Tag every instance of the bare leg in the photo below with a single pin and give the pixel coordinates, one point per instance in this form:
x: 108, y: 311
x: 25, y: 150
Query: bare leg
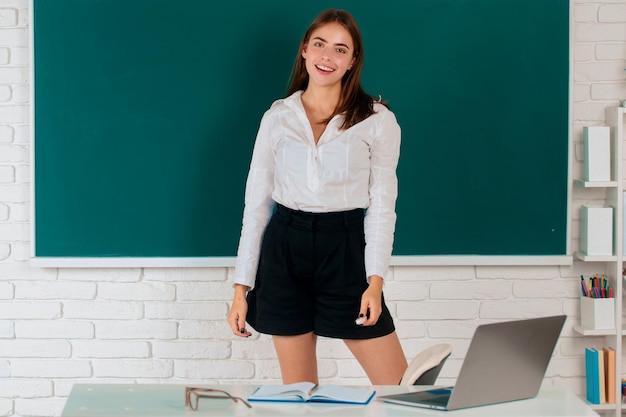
x: 297, y: 357
x: 382, y: 358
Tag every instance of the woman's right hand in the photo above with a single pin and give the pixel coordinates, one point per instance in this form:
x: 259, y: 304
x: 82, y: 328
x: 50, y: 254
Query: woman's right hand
x: 238, y: 311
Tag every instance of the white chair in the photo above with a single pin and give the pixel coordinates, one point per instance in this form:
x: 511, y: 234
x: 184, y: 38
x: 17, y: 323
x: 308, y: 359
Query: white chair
x: 425, y: 367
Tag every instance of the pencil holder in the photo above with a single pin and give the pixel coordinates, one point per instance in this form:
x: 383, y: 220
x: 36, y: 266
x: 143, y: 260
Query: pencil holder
x: 597, y: 313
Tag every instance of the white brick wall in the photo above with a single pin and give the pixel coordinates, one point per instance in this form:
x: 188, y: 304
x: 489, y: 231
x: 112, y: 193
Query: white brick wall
x: 59, y: 327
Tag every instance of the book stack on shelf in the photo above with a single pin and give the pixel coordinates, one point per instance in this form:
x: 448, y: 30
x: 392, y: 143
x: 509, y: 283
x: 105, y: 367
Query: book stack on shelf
x: 600, y: 375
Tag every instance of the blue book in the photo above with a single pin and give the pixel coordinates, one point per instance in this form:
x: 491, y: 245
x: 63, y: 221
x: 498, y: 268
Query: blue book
x: 592, y: 376
x: 309, y: 392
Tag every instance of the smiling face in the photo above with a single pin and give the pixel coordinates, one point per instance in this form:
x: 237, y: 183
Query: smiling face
x: 328, y: 54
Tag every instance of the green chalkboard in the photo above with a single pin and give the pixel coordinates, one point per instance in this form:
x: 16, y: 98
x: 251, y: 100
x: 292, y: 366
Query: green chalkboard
x: 145, y: 113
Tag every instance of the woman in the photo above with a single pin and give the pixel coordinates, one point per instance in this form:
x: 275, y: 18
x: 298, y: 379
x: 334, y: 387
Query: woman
x: 319, y: 213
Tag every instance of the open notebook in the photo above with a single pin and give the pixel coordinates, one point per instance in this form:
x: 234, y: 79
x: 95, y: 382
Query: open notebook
x: 506, y: 361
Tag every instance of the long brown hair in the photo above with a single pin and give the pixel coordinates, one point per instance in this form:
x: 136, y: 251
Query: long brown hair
x: 354, y: 102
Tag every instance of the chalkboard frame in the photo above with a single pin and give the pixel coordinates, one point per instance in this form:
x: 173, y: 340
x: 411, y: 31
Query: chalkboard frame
x: 562, y: 258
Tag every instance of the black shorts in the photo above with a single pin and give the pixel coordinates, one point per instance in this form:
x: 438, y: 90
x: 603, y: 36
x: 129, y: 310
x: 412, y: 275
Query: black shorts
x: 311, y: 277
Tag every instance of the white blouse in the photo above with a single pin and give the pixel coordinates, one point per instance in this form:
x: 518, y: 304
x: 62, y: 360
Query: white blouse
x: 347, y: 169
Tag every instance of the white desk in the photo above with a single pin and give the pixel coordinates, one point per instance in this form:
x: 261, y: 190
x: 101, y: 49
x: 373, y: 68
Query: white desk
x: 115, y: 400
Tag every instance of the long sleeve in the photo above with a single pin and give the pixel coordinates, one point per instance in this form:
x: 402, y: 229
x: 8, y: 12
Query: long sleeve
x: 380, y: 219
x: 258, y: 206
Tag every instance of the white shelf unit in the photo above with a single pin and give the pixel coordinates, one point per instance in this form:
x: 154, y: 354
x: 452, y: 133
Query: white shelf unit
x: 612, y: 265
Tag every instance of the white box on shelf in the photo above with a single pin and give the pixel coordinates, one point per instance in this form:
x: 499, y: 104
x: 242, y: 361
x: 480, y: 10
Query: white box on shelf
x: 597, y: 313
x: 597, y: 144
x: 596, y: 230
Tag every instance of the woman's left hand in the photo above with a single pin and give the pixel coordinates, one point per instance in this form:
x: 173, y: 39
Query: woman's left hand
x: 371, y: 301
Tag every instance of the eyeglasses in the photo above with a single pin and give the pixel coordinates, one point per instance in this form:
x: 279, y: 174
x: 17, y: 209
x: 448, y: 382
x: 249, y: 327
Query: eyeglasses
x: 193, y: 395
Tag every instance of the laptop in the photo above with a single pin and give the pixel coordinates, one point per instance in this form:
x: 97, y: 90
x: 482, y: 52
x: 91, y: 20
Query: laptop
x: 506, y: 361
